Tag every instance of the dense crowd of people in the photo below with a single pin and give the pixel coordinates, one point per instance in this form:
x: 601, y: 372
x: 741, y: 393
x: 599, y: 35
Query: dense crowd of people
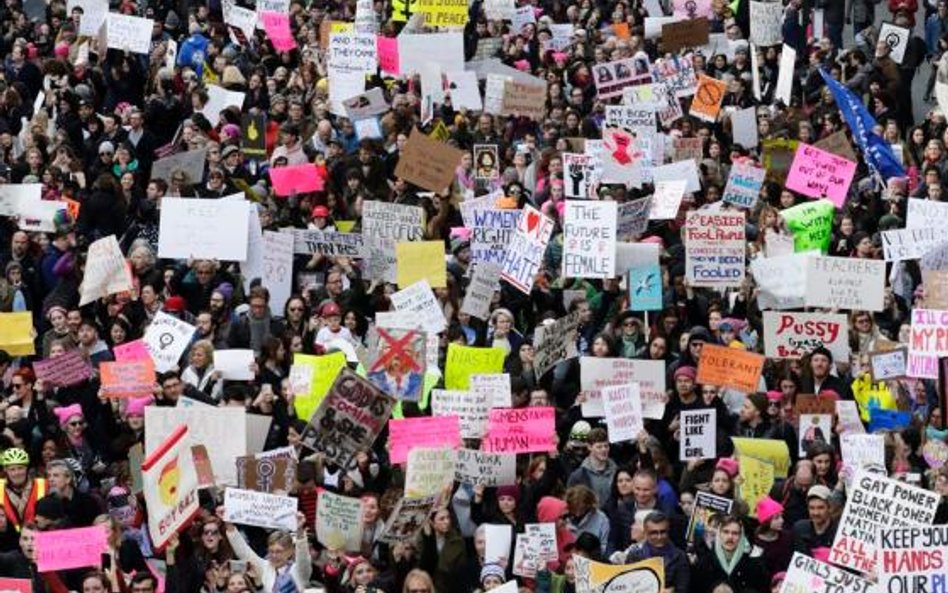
x: 89, y: 127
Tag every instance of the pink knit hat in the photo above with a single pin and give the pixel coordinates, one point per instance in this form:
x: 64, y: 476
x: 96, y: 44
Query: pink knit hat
x: 136, y: 406
x: 728, y: 466
x: 64, y: 413
x: 767, y: 509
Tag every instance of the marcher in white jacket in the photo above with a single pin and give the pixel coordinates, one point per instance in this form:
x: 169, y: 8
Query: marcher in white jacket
x: 279, y: 567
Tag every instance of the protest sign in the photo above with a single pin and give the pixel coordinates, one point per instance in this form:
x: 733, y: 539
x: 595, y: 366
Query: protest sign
x: 295, y: 179
x: 428, y: 163
x: 92, y: 16
x: 423, y: 431
x: 222, y: 430
x: 490, y: 469
x: 220, y: 99
x: 418, y: 300
x: 464, y: 361
x: 808, y: 403
x: 277, y: 266
x: 647, y: 576
x: 134, y: 378
x: 524, y: 255
x: 520, y: 430
x: 785, y: 76
x: 781, y: 281
x: 638, y: 118
x: 925, y: 213
x: 497, y: 540
x: 633, y: 219
x: 407, y: 519
x: 398, y: 363
x: 683, y: 34
x: 698, y: 434
x: 777, y: 155
x: 889, y: 364
x: 348, y: 419
x: 106, y: 271
x: 596, y: 373
x: 555, y: 343
x: 485, y: 281
x: 399, y: 222
x: 69, y: 368
x: 811, y: 224
x: 876, y: 503
x: 809, y: 574
x: 912, y: 558
x: 314, y: 376
x: 128, y: 33
x: 688, y: 148
x: 8, y: 585
x: 339, y: 521
x: 134, y: 350
x: 271, y: 511
x: 911, y: 243
x: 271, y: 474
x: 838, y: 144
x: 845, y: 283
x: 429, y: 471
x: 645, y: 287
x: 491, y: 229
x: 729, y: 367
x: 578, y: 169
x: 849, y: 421
x: 772, y: 451
x: 757, y: 478
x: 63, y: 549
x: 470, y: 408
x: 935, y: 454
x: 882, y: 419
x: 792, y: 334
x: 706, y: 104
x: 211, y: 229
x: 277, y: 26
x: 610, y: 78
x: 623, y: 407
x: 419, y: 260
x: 16, y: 333
x: 443, y: 13
x: 351, y: 52
x: 766, y: 19
x: 706, y: 505
x: 715, y: 245
x: 234, y: 364
x: 897, y: 38
x: 817, y: 173
x: 14, y: 196
x: 743, y: 185
x: 686, y: 169
x: 166, y: 339
x: 169, y: 483
x: 667, y: 199
x: 189, y: 163
x: 524, y: 99
x: 860, y: 451
x: 744, y: 128
x: 814, y: 428
x: 928, y: 341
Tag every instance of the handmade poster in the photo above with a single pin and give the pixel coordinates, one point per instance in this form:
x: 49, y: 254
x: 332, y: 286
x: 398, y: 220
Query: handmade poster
x: 524, y: 255
x: 596, y: 373
x: 106, y: 271
x: 277, y: 264
x: 486, y: 162
x: 773, y: 451
x: 190, y: 163
x: 692, y: 32
x: 911, y: 243
x: 428, y: 163
x: 170, y: 485
x: 235, y: 364
x: 838, y: 144
x: 266, y: 473
x: 645, y: 287
x: 491, y: 231
x: 419, y: 260
x: 222, y: 430
x: 490, y: 469
x: 398, y: 367
x: 212, y: 229
x: 706, y: 104
x: 623, y: 406
x: 897, y: 38
x: 64, y: 549
x: 757, y: 478
x: 494, y: 388
x: 667, y: 199
x: 407, y: 519
x: 469, y: 407
x: 706, y: 505
x: 524, y: 99
x: 313, y: 379
x: 861, y: 451
x: 647, y: 576
x: 877, y: 503
x: 339, y: 521
x: 399, y: 222
x: 259, y: 509
x: 348, y: 419
x: 927, y: 342
x: 520, y: 430
x: 807, y: 574
x: 845, y: 283
x: 743, y: 185
x: 555, y: 343
x: 811, y: 224
x: 16, y: 333
x: 135, y: 378
x: 785, y: 76
x: 485, y: 281
x: 766, y: 19
x: 698, y: 434
x: 328, y: 243
x: 8, y: 585
x: 849, y: 421
x: 67, y: 369
x: 422, y: 431
x: 166, y: 338
x: 429, y: 470
x: 793, y: 335
x: 781, y: 281
x: 814, y: 428
x: 577, y: 169
x: 128, y: 33
x: 610, y: 78
x: 890, y: 364
x: 715, y: 248
x: 817, y: 173
x: 729, y: 367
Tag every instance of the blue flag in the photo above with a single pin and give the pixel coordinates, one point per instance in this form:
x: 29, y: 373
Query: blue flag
x: 878, y: 153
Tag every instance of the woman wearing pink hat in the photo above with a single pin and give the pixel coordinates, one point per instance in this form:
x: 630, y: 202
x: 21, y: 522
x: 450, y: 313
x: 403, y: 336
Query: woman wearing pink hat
x: 771, y: 535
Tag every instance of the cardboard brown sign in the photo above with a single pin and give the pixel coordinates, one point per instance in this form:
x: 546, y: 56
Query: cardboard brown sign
x: 270, y: 474
x: 686, y: 33
x: 814, y: 404
x: 838, y: 144
x: 428, y: 163
x: 523, y: 99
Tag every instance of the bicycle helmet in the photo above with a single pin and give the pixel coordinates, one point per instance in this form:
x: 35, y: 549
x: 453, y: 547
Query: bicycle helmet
x: 14, y: 456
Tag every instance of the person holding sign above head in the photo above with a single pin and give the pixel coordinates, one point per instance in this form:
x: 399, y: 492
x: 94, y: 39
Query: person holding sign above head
x: 287, y: 566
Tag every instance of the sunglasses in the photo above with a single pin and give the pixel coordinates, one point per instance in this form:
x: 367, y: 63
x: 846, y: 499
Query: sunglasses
x: 77, y: 423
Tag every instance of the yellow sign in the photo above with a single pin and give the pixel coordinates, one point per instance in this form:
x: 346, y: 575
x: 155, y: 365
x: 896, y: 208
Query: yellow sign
x: 345, y: 226
x: 16, y: 333
x: 647, y: 576
x: 444, y: 13
x: 772, y: 451
x: 324, y: 368
x: 872, y: 395
x: 421, y: 259
x: 757, y: 478
x: 464, y: 361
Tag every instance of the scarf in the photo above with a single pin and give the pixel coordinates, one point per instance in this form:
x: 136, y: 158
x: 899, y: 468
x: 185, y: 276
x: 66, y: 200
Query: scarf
x: 259, y: 329
x: 284, y: 580
x: 729, y: 565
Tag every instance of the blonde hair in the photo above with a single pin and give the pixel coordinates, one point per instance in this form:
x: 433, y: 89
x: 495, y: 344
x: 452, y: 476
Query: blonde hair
x: 417, y: 574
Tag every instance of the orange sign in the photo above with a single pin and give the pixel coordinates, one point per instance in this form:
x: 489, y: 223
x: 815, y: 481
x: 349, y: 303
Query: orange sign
x: 132, y: 378
x: 706, y: 104
x: 730, y: 367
